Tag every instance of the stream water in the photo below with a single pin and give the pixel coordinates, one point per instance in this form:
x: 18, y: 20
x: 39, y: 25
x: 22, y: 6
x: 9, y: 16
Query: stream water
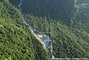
x: 45, y: 39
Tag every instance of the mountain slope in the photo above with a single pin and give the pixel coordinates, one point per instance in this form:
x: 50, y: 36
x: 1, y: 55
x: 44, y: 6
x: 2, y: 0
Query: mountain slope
x: 16, y: 40
x: 56, y: 9
x: 69, y: 35
x: 80, y: 17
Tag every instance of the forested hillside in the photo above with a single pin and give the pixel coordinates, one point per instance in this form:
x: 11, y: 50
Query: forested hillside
x: 44, y: 8
x: 69, y: 25
x: 67, y: 20
x: 80, y: 17
x: 16, y: 40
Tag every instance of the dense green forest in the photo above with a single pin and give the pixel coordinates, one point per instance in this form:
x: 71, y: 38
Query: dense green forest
x: 45, y: 8
x: 70, y: 32
x: 16, y: 39
x: 68, y: 26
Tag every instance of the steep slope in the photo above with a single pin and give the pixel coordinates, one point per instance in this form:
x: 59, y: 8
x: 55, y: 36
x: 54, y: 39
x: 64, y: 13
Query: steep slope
x: 56, y: 9
x: 16, y: 40
x: 80, y: 17
x: 69, y: 35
